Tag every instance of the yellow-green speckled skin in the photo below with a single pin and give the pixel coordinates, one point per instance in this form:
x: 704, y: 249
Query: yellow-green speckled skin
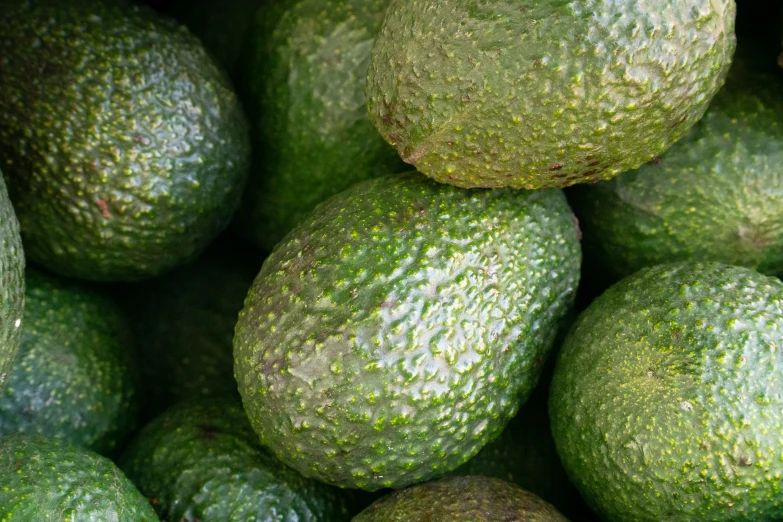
x: 201, y: 461
x: 12, y: 264
x: 124, y: 147
x: 717, y: 195
x: 541, y: 94
x: 302, y: 80
x: 74, y: 376
x: 665, y: 403
x: 461, y: 499
x: 44, y: 479
x: 395, y: 331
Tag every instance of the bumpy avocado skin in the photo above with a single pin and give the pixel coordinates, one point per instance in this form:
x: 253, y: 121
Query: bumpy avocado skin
x: 396, y: 331
x: 51, y: 479
x: 461, y: 499
x: 74, y: 376
x: 665, y: 398
x: 200, y: 460
x: 717, y: 195
x: 302, y: 81
x: 125, y: 149
x: 12, y: 264
x: 183, y: 325
x: 496, y: 94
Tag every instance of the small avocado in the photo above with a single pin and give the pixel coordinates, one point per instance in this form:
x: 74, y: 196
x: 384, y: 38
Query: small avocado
x: 201, y: 461
x: 665, y: 402
x: 12, y: 265
x: 302, y: 82
x: 544, y: 94
x: 396, y: 330
x: 716, y: 195
x: 52, y: 479
x: 461, y: 499
x: 124, y: 147
x: 74, y: 376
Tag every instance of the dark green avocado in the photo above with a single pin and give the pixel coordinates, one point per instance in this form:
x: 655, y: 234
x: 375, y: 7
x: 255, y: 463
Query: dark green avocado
x: 51, y: 479
x: 12, y: 264
x: 201, y: 461
x: 74, y: 376
x: 544, y: 94
x: 302, y: 80
x: 665, y: 402
x: 461, y: 499
x: 717, y: 195
x: 123, y: 145
x: 396, y: 330
x: 183, y: 325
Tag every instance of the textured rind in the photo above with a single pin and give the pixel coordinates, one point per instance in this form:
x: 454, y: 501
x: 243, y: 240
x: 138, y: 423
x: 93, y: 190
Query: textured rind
x: 74, y: 376
x: 395, y: 332
x: 303, y: 82
x: 461, y: 499
x: 51, y: 479
x: 12, y: 264
x: 665, y: 403
x: 200, y: 460
x: 717, y: 195
x: 492, y: 94
x: 183, y: 325
x: 124, y: 147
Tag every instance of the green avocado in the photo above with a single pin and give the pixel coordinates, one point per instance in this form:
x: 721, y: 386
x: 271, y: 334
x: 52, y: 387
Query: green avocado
x: 302, y: 80
x: 12, y: 264
x: 183, y: 325
x: 543, y: 94
x: 124, y: 147
x: 396, y: 330
x: 717, y: 195
x: 75, y: 376
x: 461, y: 499
x: 51, y: 479
x: 665, y: 402
x: 201, y: 461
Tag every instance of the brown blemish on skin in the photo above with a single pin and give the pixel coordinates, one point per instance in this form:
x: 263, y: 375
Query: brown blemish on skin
x: 104, y: 208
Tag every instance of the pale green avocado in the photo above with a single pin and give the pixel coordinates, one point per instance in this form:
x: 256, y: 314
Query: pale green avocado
x: 543, y: 94
x: 398, y: 328
x: 665, y: 402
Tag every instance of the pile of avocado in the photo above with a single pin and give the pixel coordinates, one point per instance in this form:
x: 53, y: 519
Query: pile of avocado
x: 391, y: 261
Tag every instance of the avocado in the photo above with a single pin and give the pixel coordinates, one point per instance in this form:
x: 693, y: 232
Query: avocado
x: 75, y: 376
x: 545, y: 94
x: 665, y: 402
x: 183, y: 325
x: 717, y: 195
x: 461, y: 499
x: 51, y: 479
x: 302, y: 80
x: 200, y: 460
x: 12, y: 265
x: 396, y: 330
x: 222, y: 30
x: 124, y: 147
